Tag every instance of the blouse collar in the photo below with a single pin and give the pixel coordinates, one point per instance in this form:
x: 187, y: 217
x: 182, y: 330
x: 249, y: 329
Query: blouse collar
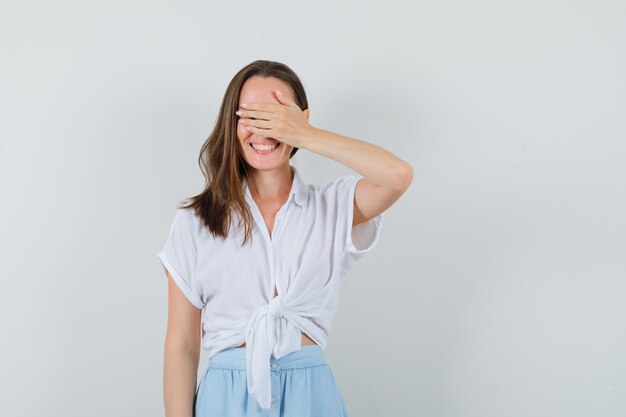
x: 297, y: 192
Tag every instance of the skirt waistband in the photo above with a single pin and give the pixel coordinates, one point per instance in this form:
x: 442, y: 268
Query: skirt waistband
x: 235, y: 358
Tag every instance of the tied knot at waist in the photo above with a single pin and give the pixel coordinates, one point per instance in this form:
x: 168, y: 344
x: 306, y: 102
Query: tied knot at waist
x: 273, y: 330
x: 275, y: 307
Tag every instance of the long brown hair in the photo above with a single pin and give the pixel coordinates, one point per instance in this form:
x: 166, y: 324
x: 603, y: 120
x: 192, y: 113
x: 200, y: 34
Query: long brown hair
x: 221, y: 159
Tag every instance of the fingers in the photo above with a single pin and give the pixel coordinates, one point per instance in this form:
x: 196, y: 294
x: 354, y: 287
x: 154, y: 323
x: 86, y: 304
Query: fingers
x: 251, y: 113
x: 268, y: 107
x: 259, y: 132
x: 265, y: 124
x: 283, y: 98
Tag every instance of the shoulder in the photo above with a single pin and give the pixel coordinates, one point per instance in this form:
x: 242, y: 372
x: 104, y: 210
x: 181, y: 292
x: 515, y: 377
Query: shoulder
x: 336, y: 195
x: 339, y: 186
x: 185, y: 215
x: 336, y: 183
x: 187, y: 221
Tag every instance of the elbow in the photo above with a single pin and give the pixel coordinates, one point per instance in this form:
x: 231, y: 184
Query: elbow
x: 404, y: 176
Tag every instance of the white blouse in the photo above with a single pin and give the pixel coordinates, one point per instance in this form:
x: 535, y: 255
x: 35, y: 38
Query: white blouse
x: 311, y: 247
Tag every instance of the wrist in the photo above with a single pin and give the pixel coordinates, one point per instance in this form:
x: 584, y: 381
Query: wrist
x: 310, y: 136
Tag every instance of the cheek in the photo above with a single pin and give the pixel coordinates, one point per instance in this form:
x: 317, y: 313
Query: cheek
x: 242, y: 132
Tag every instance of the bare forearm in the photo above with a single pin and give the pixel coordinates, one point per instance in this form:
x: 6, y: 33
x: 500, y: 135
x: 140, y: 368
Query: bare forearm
x: 180, y: 369
x: 376, y: 164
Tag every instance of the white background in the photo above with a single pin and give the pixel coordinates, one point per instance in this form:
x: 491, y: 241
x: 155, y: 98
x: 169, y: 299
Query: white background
x: 497, y: 288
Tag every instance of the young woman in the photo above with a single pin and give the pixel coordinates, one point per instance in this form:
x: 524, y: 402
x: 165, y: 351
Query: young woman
x: 254, y: 262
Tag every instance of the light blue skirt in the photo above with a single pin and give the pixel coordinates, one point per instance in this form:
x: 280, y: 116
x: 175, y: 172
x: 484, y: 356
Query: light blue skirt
x: 303, y: 385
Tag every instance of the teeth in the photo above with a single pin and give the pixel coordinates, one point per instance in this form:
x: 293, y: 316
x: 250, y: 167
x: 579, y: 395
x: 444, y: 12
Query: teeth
x: 263, y: 147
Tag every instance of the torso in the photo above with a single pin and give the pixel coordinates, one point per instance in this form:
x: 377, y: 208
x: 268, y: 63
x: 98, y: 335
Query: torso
x: 306, y: 340
x: 269, y: 213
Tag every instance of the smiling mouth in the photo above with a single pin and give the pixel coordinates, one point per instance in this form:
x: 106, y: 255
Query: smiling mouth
x: 264, y: 148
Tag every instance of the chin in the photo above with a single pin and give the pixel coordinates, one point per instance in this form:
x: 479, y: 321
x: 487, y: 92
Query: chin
x: 277, y: 158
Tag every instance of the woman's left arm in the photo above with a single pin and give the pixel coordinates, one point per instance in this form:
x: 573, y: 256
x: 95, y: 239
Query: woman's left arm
x: 385, y: 176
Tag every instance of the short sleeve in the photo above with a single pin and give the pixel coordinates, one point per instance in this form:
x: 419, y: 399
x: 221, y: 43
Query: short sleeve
x: 180, y: 253
x: 362, y: 238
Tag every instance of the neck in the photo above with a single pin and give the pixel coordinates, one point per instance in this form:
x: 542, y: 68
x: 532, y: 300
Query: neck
x: 270, y: 185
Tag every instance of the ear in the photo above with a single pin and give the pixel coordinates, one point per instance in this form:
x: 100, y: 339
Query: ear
x: 306, y: 113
